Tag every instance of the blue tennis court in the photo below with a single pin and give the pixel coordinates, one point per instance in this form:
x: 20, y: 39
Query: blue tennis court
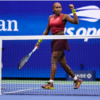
x: 30, y: 87
x: 29, y: 90
x: 39, y: 97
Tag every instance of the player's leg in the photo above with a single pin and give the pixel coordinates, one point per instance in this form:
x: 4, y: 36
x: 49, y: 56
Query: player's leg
x: 68, y: 70
x: 55, y: 56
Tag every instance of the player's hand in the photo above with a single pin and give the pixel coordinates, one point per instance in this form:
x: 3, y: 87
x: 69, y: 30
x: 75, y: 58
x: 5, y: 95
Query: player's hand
x: 37, y: 45
x: 71, y: 6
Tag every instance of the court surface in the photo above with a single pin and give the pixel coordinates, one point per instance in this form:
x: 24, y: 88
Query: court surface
x: 61, y: 88
x: 39, y: 97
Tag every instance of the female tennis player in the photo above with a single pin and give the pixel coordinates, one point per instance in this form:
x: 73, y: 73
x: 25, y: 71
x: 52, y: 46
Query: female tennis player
x: 57, y: 23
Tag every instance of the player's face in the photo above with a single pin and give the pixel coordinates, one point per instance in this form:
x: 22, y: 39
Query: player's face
x: 57, y: 9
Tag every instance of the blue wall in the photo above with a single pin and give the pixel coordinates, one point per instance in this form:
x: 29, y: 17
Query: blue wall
x: 32, y: 16
x: 32, y: 19
x: 39, y: 64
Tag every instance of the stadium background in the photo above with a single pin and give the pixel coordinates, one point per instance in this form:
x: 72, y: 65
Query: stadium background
x: 32, y: 19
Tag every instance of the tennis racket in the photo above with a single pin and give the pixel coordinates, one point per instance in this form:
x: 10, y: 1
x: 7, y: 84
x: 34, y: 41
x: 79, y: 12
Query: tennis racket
x: 25, y: 59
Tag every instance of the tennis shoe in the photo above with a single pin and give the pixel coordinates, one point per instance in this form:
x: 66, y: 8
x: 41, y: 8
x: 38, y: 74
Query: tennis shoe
x: 77, y: 83
x: 48, y: 85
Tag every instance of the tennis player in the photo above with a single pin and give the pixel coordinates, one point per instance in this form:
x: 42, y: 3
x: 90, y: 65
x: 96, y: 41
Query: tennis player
x: 56, y: 23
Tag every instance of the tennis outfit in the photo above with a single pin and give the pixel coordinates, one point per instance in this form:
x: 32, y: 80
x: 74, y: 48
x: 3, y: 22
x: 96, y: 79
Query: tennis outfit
x: 56, y: 24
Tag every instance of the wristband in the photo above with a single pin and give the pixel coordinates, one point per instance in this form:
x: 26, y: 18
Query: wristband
x: 73, y: 11
x: 40, y: 40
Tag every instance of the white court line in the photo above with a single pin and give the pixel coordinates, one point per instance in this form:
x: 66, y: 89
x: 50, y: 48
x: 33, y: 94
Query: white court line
x: 21, y: 90
x: 54, y: 89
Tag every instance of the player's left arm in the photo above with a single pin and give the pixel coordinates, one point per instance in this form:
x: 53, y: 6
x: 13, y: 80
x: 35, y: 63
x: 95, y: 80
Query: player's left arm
x: 68, y: 18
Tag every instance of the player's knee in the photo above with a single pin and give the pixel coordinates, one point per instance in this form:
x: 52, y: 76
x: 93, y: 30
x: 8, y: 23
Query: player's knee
x: 63, y: 64
x: 53, y: 60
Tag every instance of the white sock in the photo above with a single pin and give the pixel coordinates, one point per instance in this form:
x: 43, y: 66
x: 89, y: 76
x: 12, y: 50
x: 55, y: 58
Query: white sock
x: 75, y: 78
x: 51, y: 81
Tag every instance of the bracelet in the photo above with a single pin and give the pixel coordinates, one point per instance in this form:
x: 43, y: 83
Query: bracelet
x: 73, y: 11
x: 40, y: 40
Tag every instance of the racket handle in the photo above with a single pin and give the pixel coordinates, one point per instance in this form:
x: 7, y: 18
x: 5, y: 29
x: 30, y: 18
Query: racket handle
x: 34, y: 49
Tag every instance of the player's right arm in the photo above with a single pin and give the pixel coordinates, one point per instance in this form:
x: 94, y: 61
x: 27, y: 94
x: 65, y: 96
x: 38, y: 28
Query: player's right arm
x: 46, y: 32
